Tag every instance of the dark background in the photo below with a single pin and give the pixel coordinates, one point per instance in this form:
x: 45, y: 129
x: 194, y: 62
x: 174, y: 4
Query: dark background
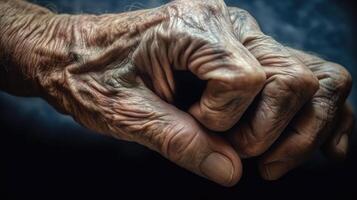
x: 47, y: 155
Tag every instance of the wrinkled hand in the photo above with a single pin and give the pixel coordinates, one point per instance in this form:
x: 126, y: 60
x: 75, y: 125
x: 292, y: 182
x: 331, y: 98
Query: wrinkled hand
x: 289, y: 106
x: 122, y: 82
x: 117, y: 74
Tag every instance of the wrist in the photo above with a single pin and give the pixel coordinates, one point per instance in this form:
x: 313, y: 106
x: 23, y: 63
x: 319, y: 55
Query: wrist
x: 34, y: 42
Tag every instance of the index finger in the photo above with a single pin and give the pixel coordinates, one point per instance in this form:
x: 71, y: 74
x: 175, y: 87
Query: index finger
x: 234, y: 79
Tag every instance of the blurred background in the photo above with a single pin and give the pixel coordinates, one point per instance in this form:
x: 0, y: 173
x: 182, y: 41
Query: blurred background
x: 47, y: 155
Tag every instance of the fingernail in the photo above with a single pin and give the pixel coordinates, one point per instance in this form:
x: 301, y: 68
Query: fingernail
x: 218, y: 168
x: 342, y: 144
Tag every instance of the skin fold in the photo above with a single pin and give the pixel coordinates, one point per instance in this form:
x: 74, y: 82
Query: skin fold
x: 117, y: 75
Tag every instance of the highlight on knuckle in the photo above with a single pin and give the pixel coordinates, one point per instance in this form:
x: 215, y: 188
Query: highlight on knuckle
x: 336, y: 81
x: 342, y: 79
x: 239, y: 15
x: 252, y: 77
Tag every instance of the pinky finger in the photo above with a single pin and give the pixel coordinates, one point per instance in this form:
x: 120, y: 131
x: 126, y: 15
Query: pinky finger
x: 336, y: 146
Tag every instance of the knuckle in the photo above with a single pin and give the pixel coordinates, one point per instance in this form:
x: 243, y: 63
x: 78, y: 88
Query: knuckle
x: 336, y: 83
x: 251, y: 76
x: 233, y: 10
x: 243, y: 22
x: 341, y: 78
x: 326, y: 111
x: 303, y: 82
x: 239, y: 13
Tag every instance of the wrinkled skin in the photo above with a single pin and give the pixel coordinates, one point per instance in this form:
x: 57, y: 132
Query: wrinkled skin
x: 287, y: 94
x: 115, y: 74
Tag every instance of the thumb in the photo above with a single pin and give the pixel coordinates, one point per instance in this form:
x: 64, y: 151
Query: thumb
x: 178, y: 137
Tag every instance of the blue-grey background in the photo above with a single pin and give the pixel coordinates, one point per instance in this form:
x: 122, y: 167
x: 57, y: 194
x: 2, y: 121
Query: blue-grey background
x: 48, y: 155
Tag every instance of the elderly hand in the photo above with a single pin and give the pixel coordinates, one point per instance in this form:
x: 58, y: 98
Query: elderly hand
x: 116, y: 74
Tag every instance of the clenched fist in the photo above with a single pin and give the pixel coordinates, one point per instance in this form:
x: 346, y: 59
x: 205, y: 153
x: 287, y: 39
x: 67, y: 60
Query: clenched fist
x: 119, y: 74
x: 303, y: 100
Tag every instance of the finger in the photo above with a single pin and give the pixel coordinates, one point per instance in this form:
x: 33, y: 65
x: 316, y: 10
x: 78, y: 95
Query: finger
x: 234, y: 77
x: 174, y: 134
x: 312, y: 125
x: 336, y: 146
x: 233, y: 82
x: 289, y: 85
